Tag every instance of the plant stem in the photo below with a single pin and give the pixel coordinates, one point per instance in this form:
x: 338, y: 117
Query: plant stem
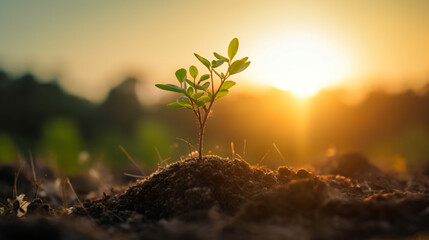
x: 200, y: 151
x: 203, y: 122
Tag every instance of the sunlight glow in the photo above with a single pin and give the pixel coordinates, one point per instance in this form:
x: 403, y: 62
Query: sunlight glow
x: 302, y: 64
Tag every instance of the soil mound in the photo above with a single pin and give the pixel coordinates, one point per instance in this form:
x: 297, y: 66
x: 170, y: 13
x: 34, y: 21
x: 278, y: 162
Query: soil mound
x: 188, y: 189
x: 217, y: 198
x: 352, y: 165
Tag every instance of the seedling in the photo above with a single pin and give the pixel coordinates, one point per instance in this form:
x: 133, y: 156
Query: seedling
x: 200, y: 94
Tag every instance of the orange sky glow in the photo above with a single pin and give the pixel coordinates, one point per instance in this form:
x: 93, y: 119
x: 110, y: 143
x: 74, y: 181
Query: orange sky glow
x: 300, y: 46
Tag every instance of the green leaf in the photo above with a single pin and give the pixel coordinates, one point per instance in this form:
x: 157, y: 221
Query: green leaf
x: 170, y: 87
x: 184, y: 100
x: 245, y: 65
x: 232, y: 48
x: 236, y: 66
x: 221, y: 93
x: 193, y: 71
x: 195, y: 86
x: 218, y: 56
x: 174, y: 105
x: 227, y: 85
x: 197, y: 95
x: 205, y: 99
x: 220, y: 76
x: 204, y: 77
x: 206, y: 85
x: 201, y: 103
x: 217, y: 63
x: 203, y: 60
x: 190, y: 91
x: 181, y: 75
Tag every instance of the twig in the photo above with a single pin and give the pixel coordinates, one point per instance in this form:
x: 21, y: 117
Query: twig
x: 131, y: 159
x: 277, y: 149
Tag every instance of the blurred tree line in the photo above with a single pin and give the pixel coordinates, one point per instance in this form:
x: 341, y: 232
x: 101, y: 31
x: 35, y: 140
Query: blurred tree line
x: 65, y: 129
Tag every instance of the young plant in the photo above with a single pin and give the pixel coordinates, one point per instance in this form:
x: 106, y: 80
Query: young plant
x: 200, y: 94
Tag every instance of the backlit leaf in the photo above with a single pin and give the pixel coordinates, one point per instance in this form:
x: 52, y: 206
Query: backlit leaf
x: 237, y: 65
x: 220, y: 76
x: 217, y: 63
x: 204, y: 77
x: 181, y: 75
x: 221, y: 93
x: 174, y: 105
x: 197, y: 95
x: 232, y: 48
x: 193, y: 71
x: 205, y: 99
x: 183, y: 100
x: 204, y: 61
x: 190, y: 91
x: 206, y: 85
x: 170, y: 87
x: 227, y: 85
x: 218, y: 56
x: 245, y: 65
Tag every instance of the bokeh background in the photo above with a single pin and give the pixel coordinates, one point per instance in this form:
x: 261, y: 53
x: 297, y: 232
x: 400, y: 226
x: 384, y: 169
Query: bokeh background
x: 77, y: 80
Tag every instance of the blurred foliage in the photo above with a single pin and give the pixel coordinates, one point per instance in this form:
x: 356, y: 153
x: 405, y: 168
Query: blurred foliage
x: 61, y: 142
x: 8, y: 150
x: 152, y: 136
x: 57, y: 126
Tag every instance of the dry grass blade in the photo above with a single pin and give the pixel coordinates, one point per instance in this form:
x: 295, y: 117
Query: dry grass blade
x: 131, y: 159
x: 74, y: 193
x: 263, y: 157
x: 161, y: 160
x: 158, y: 154
x: 189, y: 145
x: 64, y: 193
x: 15, y: 181
x: 134, y: 175
x: 244, y: 147
x: 33, y: 170
x: 281, y: 155
x: 232, y: 150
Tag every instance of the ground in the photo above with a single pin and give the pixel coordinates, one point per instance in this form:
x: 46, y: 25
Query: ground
x: 216, y: 198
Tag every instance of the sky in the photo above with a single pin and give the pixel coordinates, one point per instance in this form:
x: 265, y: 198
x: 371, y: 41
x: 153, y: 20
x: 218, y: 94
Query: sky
x: 302, y: 46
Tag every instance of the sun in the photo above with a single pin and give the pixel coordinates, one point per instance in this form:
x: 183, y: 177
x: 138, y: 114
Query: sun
x: 301, y: 63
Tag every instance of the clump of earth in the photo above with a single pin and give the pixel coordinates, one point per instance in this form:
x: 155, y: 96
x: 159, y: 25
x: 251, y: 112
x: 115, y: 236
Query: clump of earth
x: 217, y: 198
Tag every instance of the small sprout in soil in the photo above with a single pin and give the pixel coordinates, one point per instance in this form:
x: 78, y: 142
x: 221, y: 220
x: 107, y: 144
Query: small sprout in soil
x: 199, y: 94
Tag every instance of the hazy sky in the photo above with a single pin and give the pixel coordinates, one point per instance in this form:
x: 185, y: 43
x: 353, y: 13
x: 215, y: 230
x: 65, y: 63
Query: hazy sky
x: 90, y: 45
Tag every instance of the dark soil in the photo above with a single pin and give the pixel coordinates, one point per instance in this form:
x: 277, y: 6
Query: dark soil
x: 217, y: 198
